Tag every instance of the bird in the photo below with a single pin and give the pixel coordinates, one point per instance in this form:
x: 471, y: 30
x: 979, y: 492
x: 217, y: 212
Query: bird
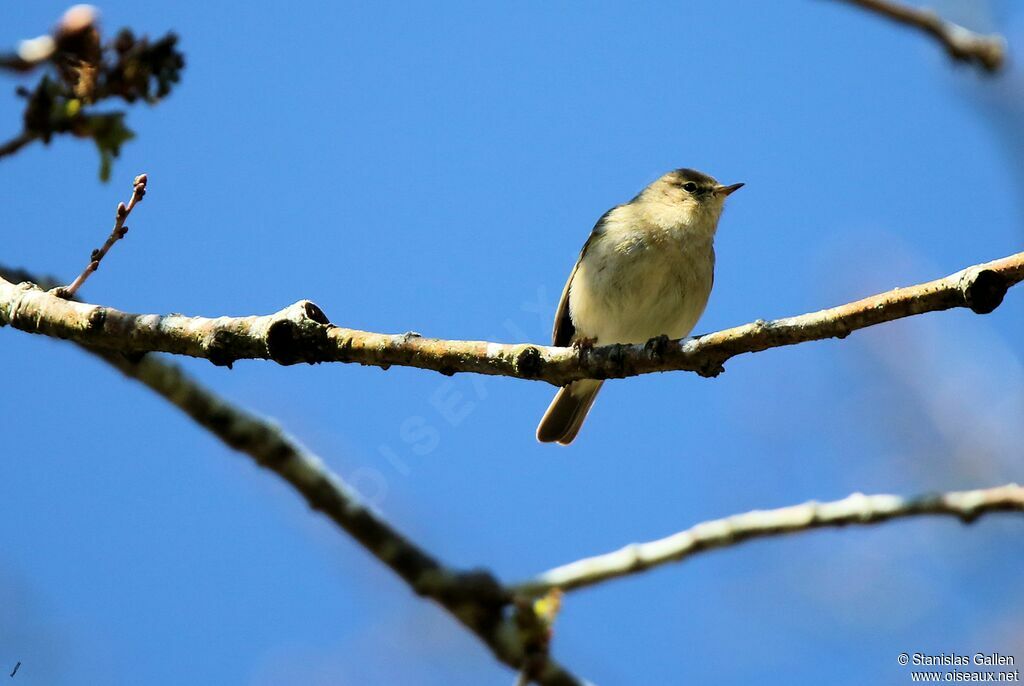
x: 645, y: 271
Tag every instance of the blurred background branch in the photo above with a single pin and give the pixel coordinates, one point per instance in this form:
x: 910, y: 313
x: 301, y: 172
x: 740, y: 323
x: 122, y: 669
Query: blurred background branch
x: 986, y: 52
x: 80, y: 70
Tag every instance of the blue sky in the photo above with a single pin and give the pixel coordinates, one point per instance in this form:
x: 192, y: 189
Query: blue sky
x: 436, y: 169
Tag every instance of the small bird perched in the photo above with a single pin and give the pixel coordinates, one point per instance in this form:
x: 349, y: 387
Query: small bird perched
x: 645, y: 271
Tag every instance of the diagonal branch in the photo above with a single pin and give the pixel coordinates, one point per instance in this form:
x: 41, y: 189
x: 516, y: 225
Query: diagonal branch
x: 474, y: 598
x: 302, y: 333
x: 961, y: 44
x: 857, y: 509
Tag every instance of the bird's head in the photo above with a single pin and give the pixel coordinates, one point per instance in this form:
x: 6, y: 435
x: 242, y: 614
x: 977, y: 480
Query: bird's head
x: 685, y: 197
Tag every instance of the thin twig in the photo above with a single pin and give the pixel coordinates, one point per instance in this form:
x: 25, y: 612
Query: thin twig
x: 17, y: 143
x: 14, y: 62
x: 302, y: 333
x: 961, y: 44
x: 118, y: 232
x: 857, y: 509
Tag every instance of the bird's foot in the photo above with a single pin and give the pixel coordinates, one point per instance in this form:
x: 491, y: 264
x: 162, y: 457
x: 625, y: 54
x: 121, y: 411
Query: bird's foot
x: 657, y: 345
x: 584, y: 343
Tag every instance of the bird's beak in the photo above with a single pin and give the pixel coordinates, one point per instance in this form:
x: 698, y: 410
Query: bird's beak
x: 728, y: 190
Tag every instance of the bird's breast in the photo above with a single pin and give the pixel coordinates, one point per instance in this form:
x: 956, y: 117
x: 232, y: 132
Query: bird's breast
x: 633, y: 286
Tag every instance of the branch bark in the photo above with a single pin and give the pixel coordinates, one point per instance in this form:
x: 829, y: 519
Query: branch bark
x: 987, y: 52
x: 302, y: 333
x: 116, y: 234
x: 857, y: 509
x: 475, y: 598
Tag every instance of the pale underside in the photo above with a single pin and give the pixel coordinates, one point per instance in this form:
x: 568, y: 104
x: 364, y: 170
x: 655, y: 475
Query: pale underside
x: 632, y: 286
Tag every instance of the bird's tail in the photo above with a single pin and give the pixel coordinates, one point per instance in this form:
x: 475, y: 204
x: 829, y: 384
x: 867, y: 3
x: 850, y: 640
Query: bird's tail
x: 567, y: 411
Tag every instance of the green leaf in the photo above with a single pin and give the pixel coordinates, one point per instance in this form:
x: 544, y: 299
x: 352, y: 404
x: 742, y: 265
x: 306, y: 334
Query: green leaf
x: 109, y: 132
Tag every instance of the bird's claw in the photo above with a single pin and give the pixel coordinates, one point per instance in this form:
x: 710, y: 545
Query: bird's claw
x: 584, y: 343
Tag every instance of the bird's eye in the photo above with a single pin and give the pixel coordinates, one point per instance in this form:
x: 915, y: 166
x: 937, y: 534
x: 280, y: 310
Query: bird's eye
x: 690, y: 187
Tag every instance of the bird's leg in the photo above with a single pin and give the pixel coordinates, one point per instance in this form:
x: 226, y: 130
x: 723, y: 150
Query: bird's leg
x: 657, y: 345
x: 584, y: 343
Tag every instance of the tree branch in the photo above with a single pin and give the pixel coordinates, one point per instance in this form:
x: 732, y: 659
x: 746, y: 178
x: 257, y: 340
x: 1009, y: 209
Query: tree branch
x: 961, y: 44
x: 857, y: 509
x: 475, y: 598
x: 17, y: 143
x: 302, y: 333
x: 116, y: 234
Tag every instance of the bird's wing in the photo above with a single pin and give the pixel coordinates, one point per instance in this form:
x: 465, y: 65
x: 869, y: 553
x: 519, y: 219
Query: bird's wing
x: 564, y: 330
